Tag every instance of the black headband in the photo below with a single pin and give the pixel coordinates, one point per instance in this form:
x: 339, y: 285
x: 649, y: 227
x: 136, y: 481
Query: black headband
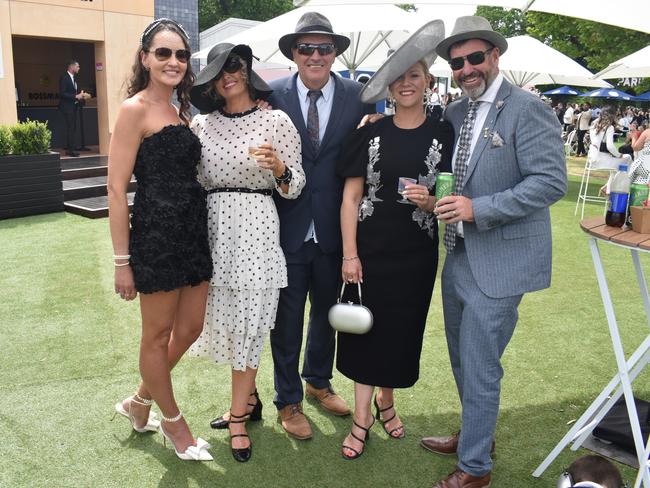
x: 156, y: 23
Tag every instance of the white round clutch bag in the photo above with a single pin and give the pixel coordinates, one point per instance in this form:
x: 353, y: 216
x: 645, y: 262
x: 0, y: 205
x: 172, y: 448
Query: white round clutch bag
x: 350, y: 318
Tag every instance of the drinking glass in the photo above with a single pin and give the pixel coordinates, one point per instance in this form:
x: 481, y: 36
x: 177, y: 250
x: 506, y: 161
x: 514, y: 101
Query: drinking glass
x: 254, y: 144
x: 402, y: 183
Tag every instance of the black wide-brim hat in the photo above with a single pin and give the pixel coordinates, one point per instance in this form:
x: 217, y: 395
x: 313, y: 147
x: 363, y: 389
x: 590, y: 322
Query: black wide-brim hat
x: 312, y: 23
x: 471, y: 27
x: 420, y: 46
x: 216, y: 59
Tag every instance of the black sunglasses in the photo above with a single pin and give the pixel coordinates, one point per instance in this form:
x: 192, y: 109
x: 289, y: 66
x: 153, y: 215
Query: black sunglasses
x: 474, y: 58
x: 308, y: 49
x: 164, y: 53
x: 232, y: 65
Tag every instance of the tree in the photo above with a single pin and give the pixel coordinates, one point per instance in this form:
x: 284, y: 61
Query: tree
x: 507, y: 22
x: 211, y: 12
x: 409, y: 7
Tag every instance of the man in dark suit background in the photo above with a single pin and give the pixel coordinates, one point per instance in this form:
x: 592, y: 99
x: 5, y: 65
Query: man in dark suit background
x: 325, y: 108
x: 69, y: 98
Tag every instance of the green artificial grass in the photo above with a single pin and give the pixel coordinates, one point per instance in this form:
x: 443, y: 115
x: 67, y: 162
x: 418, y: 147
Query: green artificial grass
x: 69, y: 352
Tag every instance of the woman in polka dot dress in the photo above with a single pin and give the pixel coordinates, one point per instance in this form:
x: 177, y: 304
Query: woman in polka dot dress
x: 243, y: 224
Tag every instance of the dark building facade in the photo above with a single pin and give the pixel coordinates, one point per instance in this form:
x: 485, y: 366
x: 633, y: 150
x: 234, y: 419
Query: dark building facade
x: 186, y: 13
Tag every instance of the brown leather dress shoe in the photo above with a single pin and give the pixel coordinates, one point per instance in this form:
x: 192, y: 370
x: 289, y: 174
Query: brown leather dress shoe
x: 446, y: 446
x: 294, y: 422
x: 328, y: 399
x: 461, y: 479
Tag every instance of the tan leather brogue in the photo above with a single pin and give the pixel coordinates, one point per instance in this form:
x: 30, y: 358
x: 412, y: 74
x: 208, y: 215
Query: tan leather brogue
x: 328, y: 399
x: 294, y: 422
x: 461, y: 479
x: 446, y: 446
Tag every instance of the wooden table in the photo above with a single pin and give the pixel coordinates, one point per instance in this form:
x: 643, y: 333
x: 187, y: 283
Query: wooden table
x: 628, y: 369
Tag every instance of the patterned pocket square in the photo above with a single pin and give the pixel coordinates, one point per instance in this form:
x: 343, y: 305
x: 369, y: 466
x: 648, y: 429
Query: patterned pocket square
x: 497, y: 140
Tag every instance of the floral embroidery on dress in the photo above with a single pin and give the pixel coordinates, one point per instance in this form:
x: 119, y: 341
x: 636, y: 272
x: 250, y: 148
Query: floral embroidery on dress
x: 426, y: 220
x: 373, y: 180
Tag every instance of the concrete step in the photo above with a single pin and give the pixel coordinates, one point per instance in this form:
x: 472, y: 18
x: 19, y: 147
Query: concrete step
x: 93, y: 207
x: 94, y: 186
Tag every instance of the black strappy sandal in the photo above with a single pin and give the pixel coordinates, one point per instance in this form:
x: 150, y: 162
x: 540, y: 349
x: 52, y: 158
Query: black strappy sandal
x: 241, y: 455
x: 379, y: 411
x: 254, y: 416
x: 363, y: 441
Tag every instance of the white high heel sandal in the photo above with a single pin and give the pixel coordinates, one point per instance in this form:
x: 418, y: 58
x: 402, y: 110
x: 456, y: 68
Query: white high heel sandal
x: 152, y: 424
x: 196, y: 452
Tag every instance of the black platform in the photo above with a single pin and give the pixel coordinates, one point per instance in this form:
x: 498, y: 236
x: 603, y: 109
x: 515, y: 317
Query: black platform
x: 84, y: 186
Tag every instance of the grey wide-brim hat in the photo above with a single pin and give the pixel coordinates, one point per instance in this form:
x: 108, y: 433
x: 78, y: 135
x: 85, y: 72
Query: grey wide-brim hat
x: 216, y: 59
x: 471, y: 27
x: 312, y: 23
x: 420, y: 46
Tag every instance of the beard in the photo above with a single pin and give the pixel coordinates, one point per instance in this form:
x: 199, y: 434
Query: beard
x: 475, y: 92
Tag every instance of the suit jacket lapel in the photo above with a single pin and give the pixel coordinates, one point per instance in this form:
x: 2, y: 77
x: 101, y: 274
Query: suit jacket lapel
x: 486, y: 130
x: 295, y: 113
x: 335, y: 113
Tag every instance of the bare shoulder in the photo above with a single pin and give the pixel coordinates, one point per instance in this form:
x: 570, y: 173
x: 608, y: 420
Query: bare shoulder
x: 132, y: 111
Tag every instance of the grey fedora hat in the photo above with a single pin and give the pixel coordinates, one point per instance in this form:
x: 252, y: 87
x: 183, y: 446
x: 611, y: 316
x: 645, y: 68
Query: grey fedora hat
x: 312, y: 23
x: 216, y: 59
x: 471, y: 27
x: 420, y: 46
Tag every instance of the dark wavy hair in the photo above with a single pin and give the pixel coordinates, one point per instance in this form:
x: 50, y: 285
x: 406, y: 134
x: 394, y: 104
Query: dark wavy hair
x: 139, y: 79
x: 607, y: 118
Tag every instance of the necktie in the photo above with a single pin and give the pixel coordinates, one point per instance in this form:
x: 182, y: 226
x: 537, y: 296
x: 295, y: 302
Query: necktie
x: 313, y: 128
x: 460, y: 167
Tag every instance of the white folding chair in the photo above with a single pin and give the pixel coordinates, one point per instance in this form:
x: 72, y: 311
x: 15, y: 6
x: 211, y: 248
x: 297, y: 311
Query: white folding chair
x: 583, y: 193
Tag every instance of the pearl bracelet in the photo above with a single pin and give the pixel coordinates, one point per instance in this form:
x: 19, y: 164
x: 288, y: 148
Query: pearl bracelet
x: 121, y: 264
x: 121, y: 256
x: 350, y: 259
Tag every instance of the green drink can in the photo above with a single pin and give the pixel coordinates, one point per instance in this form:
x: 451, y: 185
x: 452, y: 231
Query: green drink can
x: 638, y: 195
x: 445, y: 185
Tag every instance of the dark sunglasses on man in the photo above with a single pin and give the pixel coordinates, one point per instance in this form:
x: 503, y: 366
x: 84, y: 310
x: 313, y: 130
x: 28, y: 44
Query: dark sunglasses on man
x: 164, y: 53
x: 307, y: 49
x: 474, y: 59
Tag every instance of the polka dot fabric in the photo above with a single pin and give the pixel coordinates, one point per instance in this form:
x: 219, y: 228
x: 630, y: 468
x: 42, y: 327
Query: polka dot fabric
x: 244, y: 232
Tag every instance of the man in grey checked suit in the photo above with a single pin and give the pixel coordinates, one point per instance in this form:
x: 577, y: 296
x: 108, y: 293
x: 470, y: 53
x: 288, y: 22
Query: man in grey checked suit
x: 510, y: 167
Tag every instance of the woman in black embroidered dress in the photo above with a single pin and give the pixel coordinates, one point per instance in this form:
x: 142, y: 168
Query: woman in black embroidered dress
x: 389, y: 246
x: 164, y: 254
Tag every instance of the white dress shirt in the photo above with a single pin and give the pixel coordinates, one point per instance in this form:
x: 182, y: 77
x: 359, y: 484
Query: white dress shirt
x: 74, y: 83
x: 324, y: 107
x: 487, y: 99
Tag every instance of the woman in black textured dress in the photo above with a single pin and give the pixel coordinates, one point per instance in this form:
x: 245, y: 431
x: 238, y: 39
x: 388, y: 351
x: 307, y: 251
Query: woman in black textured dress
x: 164, y: 254
x: 391, y: 244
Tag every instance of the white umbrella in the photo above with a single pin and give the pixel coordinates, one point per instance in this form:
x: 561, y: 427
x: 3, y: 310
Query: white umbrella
x: 636, y: 65
x: 372, y: 31
x: 635, y: 18
x: 531, y: 62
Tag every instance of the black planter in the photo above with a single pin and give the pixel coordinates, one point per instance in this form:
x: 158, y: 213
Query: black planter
x: 30, y: 185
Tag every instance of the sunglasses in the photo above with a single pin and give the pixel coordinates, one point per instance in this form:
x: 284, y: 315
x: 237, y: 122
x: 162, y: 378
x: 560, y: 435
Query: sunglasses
x: 308, y: 49
x: 164, y: 53
x: 232, y: 65
x: 473, y: 58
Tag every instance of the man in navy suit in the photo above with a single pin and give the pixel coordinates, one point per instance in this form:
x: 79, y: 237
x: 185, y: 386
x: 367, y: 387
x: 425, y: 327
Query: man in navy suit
x: 325, y: 109
x: 68, y: 102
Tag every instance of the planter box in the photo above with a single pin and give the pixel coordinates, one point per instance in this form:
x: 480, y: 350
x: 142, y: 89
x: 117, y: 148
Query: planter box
x: 30, y: 185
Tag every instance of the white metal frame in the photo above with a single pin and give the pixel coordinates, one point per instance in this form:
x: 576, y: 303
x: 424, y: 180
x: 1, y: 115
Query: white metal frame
x: 584, y: 189
x: 621, y: 383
